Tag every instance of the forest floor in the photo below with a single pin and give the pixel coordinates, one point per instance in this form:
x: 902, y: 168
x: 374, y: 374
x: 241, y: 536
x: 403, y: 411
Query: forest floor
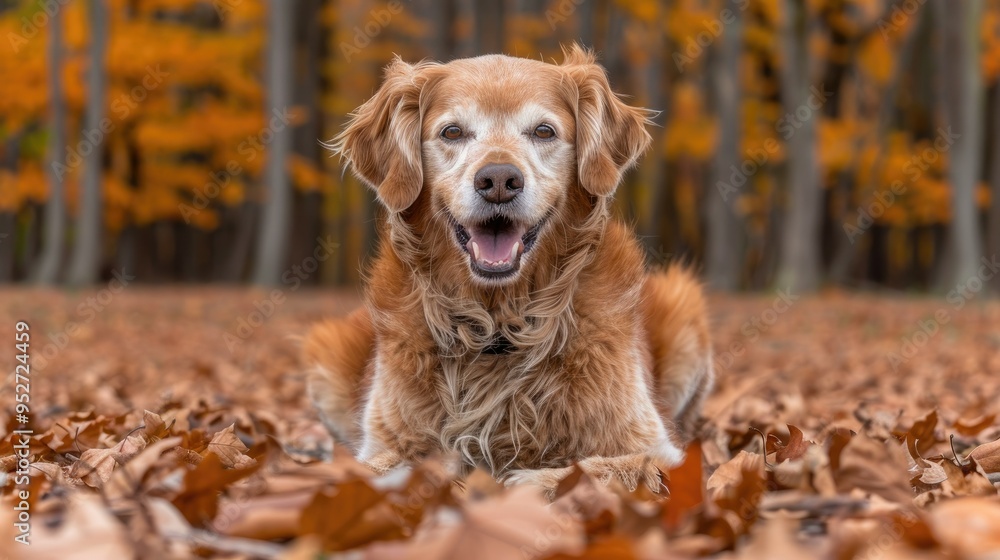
x: 173, y: 423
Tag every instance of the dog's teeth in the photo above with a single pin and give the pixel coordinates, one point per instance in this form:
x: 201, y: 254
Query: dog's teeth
x: 475, y: 250
x: 514, y: 250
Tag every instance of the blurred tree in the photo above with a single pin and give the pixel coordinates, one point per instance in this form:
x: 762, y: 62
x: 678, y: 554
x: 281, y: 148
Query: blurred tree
x: 272, y: 245
x: 85, y: 265
x: 961, y: 113
x: 725, y: 249
x: 994, y: 217
x: 799, y: 256
x: 50, y: 261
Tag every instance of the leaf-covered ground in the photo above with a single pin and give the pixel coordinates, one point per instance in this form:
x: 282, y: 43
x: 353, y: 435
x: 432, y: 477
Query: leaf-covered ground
x: 172, y: 423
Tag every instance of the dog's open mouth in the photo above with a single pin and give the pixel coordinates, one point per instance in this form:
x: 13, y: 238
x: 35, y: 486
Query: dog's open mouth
x: 496, y: 245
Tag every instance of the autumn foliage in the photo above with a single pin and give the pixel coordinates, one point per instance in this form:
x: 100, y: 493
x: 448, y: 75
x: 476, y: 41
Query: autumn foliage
x: 189, y: 124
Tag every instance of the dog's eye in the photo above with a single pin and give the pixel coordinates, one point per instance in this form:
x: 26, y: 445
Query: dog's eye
x: 545, y: 132
x: 451, y: 132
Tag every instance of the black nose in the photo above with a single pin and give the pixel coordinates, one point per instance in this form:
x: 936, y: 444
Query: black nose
x: 499, y: 182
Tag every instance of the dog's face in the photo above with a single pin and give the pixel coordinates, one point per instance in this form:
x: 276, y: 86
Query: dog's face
x: 498, y: 144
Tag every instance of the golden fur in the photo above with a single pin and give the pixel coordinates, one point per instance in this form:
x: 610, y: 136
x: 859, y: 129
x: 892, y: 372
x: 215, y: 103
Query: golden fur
x: 599, y: 362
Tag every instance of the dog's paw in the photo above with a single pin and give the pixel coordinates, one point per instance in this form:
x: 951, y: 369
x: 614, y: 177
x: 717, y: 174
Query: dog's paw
x: 631, y: 471
x: 546, y: 480
x: 382, y: 462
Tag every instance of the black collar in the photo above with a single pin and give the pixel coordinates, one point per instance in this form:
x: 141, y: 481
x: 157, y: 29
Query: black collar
x: 500, y: 345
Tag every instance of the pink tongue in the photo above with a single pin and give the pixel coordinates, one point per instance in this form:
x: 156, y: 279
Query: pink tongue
x: 495, y: 247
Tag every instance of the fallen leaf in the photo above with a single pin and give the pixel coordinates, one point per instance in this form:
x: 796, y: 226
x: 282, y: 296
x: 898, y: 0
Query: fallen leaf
x: 795, y: 447
x: 86, y: 531
x: 684, y: 483
x: 95, y: 466
x: 230, y: 449
x: 988, y: 457
x: 974, y: 426
x: 517, y: 524
x: 153, y: 426
x: 345, y: 517
x: 126, y: 481
x: 968, y: 526
x: 874, y: 467
x: 198, y: 501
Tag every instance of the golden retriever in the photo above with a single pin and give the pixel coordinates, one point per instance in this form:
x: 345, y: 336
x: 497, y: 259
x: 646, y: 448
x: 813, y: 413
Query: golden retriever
x: 508, y: 317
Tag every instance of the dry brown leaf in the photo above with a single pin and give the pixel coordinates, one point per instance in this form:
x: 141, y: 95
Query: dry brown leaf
x: 126, y: 481
x: 730, y: 474
x: 230, y: 449
x: 968, y: 526
x: 973, y: 483
x: 95, y: 466
x: 171, y: 525
x: 921, y: 437
x: 345, y: 517
x: 775, y: 538
x: 988, y: 457
x: 795, y: 447
x: 874, y: 467
x: 199, y: 499
x: 685, y: 483
x: 153, y: 426
x: 932, y: 473
x: 267, y: 517
x: 518, y: 524
x: 86, y: 531
x: 974, y: 426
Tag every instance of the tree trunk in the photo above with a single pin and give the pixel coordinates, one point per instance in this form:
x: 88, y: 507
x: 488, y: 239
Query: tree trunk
x: 9, y: 155
x: 86, y: 263
x: 961, y: 113
x: 8, y: 223
x: 994, y: 225
x: 725, y: 250
x: 272, y: 245
x: 799, y: 262
x: 55, y: 207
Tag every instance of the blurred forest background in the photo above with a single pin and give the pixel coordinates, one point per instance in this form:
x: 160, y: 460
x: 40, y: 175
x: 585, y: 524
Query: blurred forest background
x: 801, y: 143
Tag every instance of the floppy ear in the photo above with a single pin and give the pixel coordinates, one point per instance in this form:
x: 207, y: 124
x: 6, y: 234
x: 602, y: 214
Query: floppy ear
x: 381, y: 142
x: 610, y: 135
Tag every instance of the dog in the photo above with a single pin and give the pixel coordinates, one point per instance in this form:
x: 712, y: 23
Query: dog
x: 508, y: 316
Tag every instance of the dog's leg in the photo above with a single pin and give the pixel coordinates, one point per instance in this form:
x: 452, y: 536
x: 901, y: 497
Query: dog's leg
x: 337, y: 353
x: 676, y: 321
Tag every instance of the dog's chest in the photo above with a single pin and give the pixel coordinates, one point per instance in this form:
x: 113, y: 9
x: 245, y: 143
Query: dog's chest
x: 499, y: 416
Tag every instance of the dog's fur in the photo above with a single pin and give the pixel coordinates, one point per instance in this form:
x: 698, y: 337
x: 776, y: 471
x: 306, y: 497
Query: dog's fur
x: 574, y: 353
